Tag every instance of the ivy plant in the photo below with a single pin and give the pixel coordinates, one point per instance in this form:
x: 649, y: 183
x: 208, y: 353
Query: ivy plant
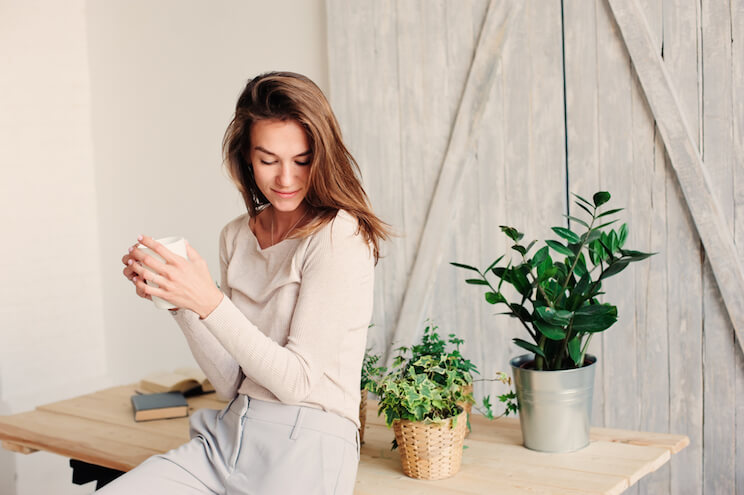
x: 428, y: 382
x: 557, y: 299
x: 371, y: 373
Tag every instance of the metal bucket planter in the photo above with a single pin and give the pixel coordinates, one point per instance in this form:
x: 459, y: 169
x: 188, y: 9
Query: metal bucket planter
x: 555, y: 407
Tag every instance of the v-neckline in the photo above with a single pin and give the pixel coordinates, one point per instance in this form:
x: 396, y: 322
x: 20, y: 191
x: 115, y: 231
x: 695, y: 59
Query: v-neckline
x: 258, y: 243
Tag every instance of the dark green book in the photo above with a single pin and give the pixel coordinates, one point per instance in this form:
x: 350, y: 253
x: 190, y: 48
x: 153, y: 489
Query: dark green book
x: 159, y: 406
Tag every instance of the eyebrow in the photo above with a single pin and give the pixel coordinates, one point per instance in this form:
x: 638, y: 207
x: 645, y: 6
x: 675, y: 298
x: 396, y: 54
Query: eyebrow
x: 260, y: 148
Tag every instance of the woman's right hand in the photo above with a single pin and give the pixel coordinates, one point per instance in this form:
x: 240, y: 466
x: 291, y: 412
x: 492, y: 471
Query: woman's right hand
x: 129, y: 272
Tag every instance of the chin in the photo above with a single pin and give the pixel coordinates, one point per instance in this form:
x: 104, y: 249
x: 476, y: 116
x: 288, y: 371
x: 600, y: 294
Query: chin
x: 286, y: 206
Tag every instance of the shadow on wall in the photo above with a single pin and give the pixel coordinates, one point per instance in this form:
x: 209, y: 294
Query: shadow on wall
x: 7, y: 459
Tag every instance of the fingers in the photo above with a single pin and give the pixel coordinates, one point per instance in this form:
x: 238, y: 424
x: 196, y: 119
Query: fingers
x: 164, y: 252
x: 143, y: 273
x: 138, y: 256
x: 191, y: 252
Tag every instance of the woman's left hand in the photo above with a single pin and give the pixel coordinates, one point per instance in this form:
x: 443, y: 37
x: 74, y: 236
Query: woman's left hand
x: 183, y: 282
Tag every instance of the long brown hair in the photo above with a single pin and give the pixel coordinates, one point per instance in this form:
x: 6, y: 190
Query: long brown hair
x: 333, y: 181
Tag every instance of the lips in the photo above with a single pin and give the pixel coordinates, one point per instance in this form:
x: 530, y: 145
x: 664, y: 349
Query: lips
x: 286, y: 194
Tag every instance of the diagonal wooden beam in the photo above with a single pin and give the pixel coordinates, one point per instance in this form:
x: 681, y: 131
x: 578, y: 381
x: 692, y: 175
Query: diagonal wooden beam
x: 480, y: 81
x: 684, y: 157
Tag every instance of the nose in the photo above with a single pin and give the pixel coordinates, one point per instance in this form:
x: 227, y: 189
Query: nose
x: 285, y: 175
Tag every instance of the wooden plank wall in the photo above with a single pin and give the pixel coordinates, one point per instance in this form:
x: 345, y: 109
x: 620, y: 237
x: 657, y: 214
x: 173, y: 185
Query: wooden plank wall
x: 671, y: 363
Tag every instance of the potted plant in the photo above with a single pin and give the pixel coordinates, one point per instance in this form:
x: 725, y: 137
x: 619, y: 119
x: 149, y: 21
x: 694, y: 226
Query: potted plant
x: 371, y: 373
x: 556, y: 301
x: 424, y: 398
x: 419, y: 399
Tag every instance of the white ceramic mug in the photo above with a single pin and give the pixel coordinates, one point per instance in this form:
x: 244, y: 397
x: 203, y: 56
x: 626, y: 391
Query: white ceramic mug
x: 176, y: 245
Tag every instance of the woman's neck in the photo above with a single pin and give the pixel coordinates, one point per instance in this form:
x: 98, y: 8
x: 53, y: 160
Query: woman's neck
x: 281, y: 224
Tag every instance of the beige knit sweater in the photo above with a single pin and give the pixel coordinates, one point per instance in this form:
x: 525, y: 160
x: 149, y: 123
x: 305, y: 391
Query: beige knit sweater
x: 293, y: 325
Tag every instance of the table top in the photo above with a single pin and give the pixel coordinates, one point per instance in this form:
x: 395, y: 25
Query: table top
x: 99, y: 428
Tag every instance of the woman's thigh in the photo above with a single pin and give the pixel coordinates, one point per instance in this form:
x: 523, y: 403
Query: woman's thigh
x: 273, y: 461
x: 160, y: 475
x: 194, y: 467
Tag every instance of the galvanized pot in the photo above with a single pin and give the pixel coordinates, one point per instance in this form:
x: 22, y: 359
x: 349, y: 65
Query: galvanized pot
x: 555, y: 407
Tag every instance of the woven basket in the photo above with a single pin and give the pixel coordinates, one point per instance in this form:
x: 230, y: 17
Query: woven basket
x: 430, y: 451
x: 362, y: 415
x: 467, y: 406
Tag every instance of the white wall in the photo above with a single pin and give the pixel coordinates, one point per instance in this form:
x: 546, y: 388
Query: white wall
x: 111, y: 119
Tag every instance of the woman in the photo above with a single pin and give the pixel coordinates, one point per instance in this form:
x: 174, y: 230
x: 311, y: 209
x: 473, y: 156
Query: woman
x: 284, y: 338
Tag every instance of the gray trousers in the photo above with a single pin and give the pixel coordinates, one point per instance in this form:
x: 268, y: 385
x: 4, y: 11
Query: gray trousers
x: 253, y: 447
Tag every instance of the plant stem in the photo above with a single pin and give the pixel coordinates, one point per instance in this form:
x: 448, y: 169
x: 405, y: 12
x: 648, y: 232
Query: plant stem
x: 583, y: 351
x: 539, y: 361
x: 576, y: 256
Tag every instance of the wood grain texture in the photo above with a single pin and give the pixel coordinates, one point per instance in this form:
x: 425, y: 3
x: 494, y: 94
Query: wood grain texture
x: 737, y: 90
x: 648, y: 233
x: 364, y: 93
x: 438, y: 220
x: 719, y: 340
x: 107, y: 435
x: 684, y: 156
x: 582, y: 131
x: 669, y: 312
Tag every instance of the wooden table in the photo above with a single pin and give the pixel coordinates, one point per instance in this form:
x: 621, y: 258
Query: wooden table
x: 99, y: 429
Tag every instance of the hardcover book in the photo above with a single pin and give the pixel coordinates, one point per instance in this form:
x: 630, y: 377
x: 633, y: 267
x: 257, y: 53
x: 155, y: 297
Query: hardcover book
x: 159, y: 406
x: 189, y: 381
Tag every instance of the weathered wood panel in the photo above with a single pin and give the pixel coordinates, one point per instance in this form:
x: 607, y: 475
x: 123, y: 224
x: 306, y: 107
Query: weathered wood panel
x: 683, y: 250
x: 581, y: 79
x: 737, y: 91
x: 366, y: 99
x: 649, y: 234
x: 719, y: 341
x: 657, y: 373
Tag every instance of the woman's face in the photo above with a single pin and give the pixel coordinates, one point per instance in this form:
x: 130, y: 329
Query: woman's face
x: 281, y: 156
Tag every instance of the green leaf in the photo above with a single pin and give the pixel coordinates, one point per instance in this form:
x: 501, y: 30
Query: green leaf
x: 605, y: 224
x: 577, y: 220
x: 529, y: 346
x: 614, y: 241
x: 467, y: 267
x: 529, y: 246
x: 609, y: 212
x: 520, y: 249
x: 554, y: 316
x: 591, y: 236
x: 476, y: 281
x: 520, y: 312
x: 495, y: 298
x: 623, y: 234
x: 569, y: 235
x: 635, y: 255
x: 540, y: 256
x: 580, y: 268
x: 512, y: 233
x: 601, y: 198
x: 553, y: 332
x: 494, y: 264
x: 520, y: 282
x: 574, y: 350
x: 557, y: 246
x: 614, y: 268
x: 584, y: 208
x: 582, y: 199
x: 594, y: 318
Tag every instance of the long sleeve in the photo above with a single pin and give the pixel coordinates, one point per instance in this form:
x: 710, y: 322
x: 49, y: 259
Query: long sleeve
x: 327, y: 330
x: 218, y: 365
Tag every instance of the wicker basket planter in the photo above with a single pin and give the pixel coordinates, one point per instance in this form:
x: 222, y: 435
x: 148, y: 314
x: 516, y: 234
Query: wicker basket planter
x: 362, y: 415
x: 431, y: 451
